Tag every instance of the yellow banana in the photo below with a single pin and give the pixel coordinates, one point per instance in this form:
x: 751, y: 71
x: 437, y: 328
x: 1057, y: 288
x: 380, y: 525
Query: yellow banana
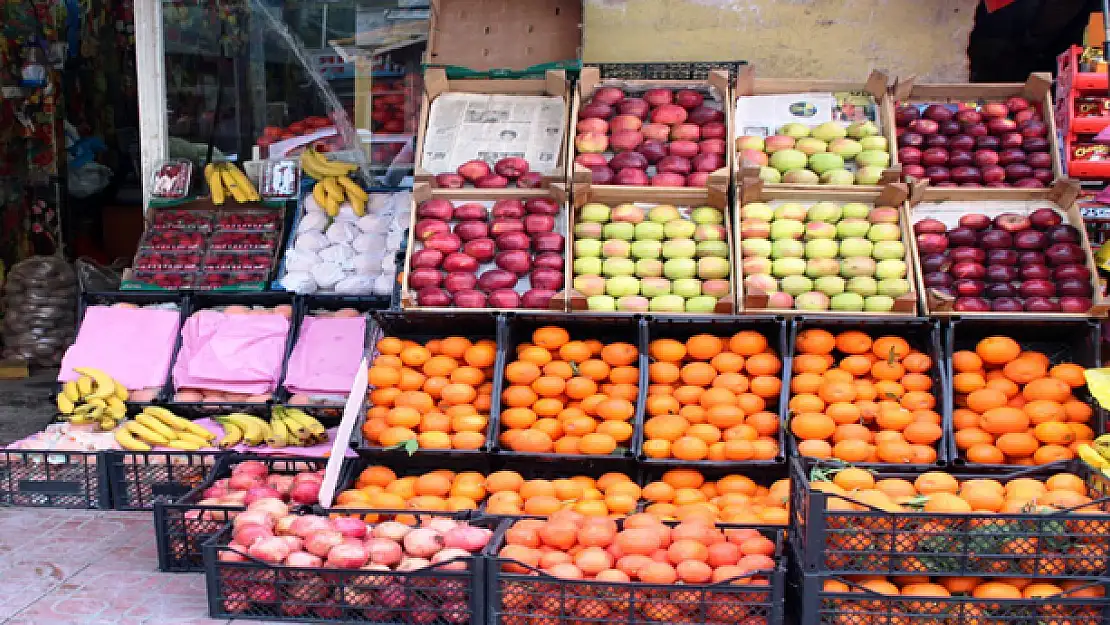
x: 155, y: 425
x: 279, y: 434
x: 244, y: 182
x: 79, y: 419
x: 121, y: 393
x: 184, y: 445
x: 309, y: 422
x: 237, y: 192
x: 65, y: 405
x: 357, y: 205
x: 146, y: 434
x: 332, y: 188
x: 233, y: 434
x: 192, y: 438
x: 127, y: 441
x: 104, y: 385
x: 96, y: 414
x: 326, y: 202
x: 69, y: 389
x: 295, y: 428
x: 84, y: 385
x: 255, y: 430
x: 353, y: 190
x: 97, y: 403
x: 107, y: 424
x: 116, y: 407
x: 319, y: 167
x: 180, y: 424
x: 215, y: 185
x: 83, y: 409
x: 1088, y: 454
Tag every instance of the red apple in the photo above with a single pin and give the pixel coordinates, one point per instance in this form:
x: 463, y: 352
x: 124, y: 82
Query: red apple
x: 634, y: 106
x: 667, y: 179
x: 592, y: 124
x: 530, y: 180
x: 548, y: 242
x: 504, y: 298
x: 514, y: 241
x: 703, y: 115
x: 482, y: 250
x: 511, y: 167
x: 541, y: 206
x: 460, y: 261
x: 595, y: 109
x: 654, y: 150
x: 635, y: 160
x: 473, y: 170
x: 539, y: 223
x: 445, y: 242
x: 658, y: 97
x: 1016, y: 103
x: 656, y: 132
x: 994, y: 110
x: 629, y: 176
x: 427, y: 227
x: 423, y: 278
x: 591, y: 159
x: 669, y: 114
x: 493, y: 279
x: 492, y: 181
x: 471, y: 211
x: 713, y: 130
x: 549, y: 260
x: 712, y: 146
x: 470, y: 299
x: 550, y: 279
x: 625, y: 122
x: 685, y: 149
x: 501, y: 226
x: 434, y: 209
x: 685, y: 132
x: 459, y: 281
x: 512, y: 209
x: 696, y: 179
x: 449, y: 181
x: 537, y: 298
x: 707, y: 162
x: 673, y: 164
x: 469, y: 230
x: 608, y: 95
x: 426, y: 259
x: 601, y: 175
x: 688, y: 98
x: 433, y: 296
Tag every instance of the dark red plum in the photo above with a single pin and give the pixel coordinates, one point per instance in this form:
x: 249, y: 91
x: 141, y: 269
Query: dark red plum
x: 1006, y: 304
x: 1002, y: 257
x: 968, y: 254
x: 1075, y: 288
x: 1041, y: 304
x: 1002, y: 273
x: 972, y: 304
x: 1035, y: 272
x: 961, y: 236
x: 1037, y: 288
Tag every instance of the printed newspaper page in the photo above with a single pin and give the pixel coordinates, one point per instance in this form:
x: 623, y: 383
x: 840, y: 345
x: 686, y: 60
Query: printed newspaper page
x: 763, y: 115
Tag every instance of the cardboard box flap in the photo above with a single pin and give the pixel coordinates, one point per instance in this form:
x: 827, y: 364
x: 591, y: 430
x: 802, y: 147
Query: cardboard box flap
x: 489, y: 35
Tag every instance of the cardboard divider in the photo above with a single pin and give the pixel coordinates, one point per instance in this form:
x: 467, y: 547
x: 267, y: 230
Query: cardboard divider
x: 715, y: 195
x: 893, y: 195
x: 877, y: 85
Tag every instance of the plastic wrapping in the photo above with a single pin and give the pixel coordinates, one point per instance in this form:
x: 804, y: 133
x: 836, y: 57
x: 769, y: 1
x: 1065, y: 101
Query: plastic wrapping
x: 300, y: 282
x: 40, y: 305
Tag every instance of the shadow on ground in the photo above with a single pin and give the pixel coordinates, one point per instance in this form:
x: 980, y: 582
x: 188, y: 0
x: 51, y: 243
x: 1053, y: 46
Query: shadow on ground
x: 26, y: 406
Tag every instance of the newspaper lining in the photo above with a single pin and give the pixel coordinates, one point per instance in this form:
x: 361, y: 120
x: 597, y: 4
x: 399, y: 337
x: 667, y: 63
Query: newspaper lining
x: 468, y: 126
x: 763, y: 115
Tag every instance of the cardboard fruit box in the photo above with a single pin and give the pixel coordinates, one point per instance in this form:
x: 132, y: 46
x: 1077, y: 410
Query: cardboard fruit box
x: 634, y: 205
x: 953, y: 207
x: 491, y: 201
x: 769, y: 294
x: 1035, y: 93
x: 704, y: 106
x: 853, y: 100
x: 491, y: 119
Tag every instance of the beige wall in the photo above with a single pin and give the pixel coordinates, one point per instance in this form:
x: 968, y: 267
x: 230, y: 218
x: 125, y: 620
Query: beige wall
x: 789, y: 38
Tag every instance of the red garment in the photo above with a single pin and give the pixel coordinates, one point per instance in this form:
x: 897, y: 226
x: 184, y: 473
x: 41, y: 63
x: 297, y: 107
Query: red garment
x: 994, y: 5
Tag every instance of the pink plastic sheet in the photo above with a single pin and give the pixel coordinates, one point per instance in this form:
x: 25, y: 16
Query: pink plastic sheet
x: 133, y: 345
x: 326, y: 356
x: 231, y: 353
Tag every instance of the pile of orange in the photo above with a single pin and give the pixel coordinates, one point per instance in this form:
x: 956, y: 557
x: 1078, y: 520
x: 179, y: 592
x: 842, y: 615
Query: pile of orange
x: 863, y: 399
x: 963, y: 612
x: 685, y: 494
x: 611, y: 494
x: 713, y: 398
x: 379, y: 488
x: 1014, y: 407
x: 568, y: 396
x: 438, y: 393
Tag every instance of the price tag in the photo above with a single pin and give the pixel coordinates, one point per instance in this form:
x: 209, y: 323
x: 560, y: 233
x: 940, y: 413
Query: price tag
x: 280, y: 179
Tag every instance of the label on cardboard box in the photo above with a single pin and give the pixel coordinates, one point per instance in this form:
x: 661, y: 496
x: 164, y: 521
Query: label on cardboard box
x: 763, y: 115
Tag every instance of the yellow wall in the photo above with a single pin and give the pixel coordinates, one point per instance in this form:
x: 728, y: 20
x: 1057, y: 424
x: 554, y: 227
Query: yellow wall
x: 789, y: 38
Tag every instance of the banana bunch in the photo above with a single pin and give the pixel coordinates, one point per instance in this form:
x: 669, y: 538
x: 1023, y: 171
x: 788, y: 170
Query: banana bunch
x: 93, y: 398
x: 334, y: 185
x: 156, y: 426
x: 287, y: 426
x: 226, y: 178
x: 1096, y: 454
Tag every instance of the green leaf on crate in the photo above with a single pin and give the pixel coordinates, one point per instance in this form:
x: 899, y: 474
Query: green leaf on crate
x: 411, y: 446
x: 620, y: 451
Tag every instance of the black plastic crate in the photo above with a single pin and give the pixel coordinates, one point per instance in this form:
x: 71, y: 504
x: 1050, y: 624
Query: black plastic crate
x: 181, y: 527
x: 200, y: 301
x: 762, y: 475
x: 925, y: 335
x: 826, y: 600
x: 518, y: 328
x: 675, y: 70
x: 55, y: 479
x: 421, y: 328
x: 842, y: 535
x: 777, y: 332
x: 531, y: 595
x: 1077, y: 341
x: 243, y: 588
x: 139, y: 479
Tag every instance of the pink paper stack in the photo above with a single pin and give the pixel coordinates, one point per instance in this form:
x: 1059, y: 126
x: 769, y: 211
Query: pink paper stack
x: 326, y: 356
x: 231, y: 353
x: 133, y: 345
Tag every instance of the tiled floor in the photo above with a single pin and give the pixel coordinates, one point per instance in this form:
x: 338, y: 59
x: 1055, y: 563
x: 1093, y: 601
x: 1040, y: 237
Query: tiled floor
x: 61, y: 567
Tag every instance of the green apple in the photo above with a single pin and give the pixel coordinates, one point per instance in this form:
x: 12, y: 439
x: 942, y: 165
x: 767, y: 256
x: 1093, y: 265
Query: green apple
x: 686, y: 287
x: 707, y: 215
x: 702, y: 304
x: 748, y: 247
x: 679, y: 248
x: 712, y: 268
x: 838, y: 178
x: 756, y: 210
x: 859, y: 130
x: 667, y: 303
x: 651, y: 268
x: 828, y: 212
x: 787, y: 229
x: 825, y: 161
x: 855, y: 210
x: 587, y: 230
x: 869, y: 175
x: 787, y: 248
x: 616, y: 248
x: 873, y: 158
x: 884, y: 232
x: 863, y: 285
x: 852, y: 228
x: 621, y: 286
x: 889, y: 249
x: 801, y: 176
x: 587, y: 247
x: 890, y: 269
x: 633, y: 303
x: 794, y: 129
x: 663, y: 213
x: 760, y: 283
x: 813, y: 300
x: 676, y: 268
x: 850, y: 302
x: 654, y: 287
x: 796, y: 285
x: 679, y: 229
x: 830, y: 285
x: 894, y: 287
x: 855, y: 246
x: 790, y: 210
x: 811, y: 146
x: 788, y: 160
x: 829, y: 131
x: 846, y: 148
x: 627, y: 212
x: 817, y: 267
x: 649, y: 231
x: 595, y: 212
x: 587, y: 266
x: 589, y: 285
x: 770, y: 175
x: 820, y: 230
x: 822, y: 248
x: 601, y: 303
x: 618, y: 267
x: 783, y: 267
x: 874, y: 144
x: 619, y: 230
x: 878, y: 303
x: 647, y: 248
x: 859, y: 266
x: 712, y: 248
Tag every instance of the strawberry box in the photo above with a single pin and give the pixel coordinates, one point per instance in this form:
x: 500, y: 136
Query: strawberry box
x: 150, y: 259
x: 163, y: 239
x: 244, y: 280
x: 231, y: 240
x: 249, y: 221
x: 182, y: 219
x: 236, y: 260
x: 167, y: 279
